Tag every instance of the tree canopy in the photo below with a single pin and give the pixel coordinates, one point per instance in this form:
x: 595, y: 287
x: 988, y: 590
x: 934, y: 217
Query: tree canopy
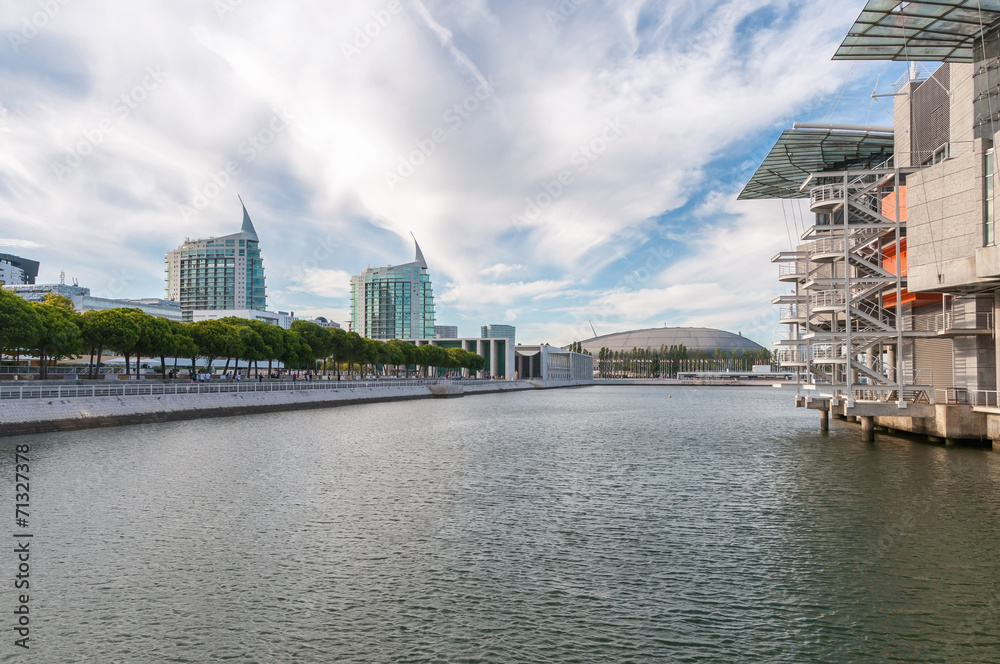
x: 52, y: 330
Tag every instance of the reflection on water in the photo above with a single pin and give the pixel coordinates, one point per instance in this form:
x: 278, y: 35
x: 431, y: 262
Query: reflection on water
x: 599, y: 524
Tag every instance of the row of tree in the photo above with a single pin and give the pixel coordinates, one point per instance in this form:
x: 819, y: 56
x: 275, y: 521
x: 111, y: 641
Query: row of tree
x: 53, y: 330
x: 668, y: 361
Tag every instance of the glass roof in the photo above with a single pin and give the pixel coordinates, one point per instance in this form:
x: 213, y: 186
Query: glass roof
x: 939, y: 31
x: 801, y: 152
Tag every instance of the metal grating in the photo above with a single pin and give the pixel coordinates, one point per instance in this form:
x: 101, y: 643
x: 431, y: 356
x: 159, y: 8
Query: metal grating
x: 938, y: 31
x: 802, y: 152
x: 930, y: 116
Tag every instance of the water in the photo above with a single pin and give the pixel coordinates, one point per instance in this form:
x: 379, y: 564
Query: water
x: 594, y: 525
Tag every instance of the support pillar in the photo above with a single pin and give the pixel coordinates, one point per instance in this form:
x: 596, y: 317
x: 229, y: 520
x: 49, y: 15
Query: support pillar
x: 867, y: 429
x: 824, y: 420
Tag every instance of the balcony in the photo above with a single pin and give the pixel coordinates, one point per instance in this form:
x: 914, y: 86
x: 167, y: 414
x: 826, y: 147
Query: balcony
x: 951, y: 325
x: 828, y: 301
x: 789, y: 315
x: 795, y: 271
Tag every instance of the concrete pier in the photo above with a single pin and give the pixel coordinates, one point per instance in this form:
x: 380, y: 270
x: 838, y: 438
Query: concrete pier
x: 867, y: 429
x: 824, y: 420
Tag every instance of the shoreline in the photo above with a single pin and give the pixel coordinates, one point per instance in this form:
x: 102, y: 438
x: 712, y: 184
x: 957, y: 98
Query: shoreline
x: 33, y: 416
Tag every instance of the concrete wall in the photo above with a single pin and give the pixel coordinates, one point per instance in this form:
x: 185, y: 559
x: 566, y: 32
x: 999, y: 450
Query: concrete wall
x: 945, y: 224
x: 949, y: 422
x: 945, y: 201
x: 27, y: 416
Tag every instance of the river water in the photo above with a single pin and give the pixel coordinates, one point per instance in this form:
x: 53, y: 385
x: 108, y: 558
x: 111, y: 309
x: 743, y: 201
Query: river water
x: 606, y: 524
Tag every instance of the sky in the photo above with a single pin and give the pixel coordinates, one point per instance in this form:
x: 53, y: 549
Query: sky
x: 566, y: 165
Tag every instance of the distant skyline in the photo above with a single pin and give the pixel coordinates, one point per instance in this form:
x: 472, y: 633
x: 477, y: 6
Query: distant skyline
x: 561, y: 162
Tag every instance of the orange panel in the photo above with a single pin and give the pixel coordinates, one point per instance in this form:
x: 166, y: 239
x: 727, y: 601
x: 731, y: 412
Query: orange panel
x: 916, y: 299
x: 889, y: 204
x: 889, y: 256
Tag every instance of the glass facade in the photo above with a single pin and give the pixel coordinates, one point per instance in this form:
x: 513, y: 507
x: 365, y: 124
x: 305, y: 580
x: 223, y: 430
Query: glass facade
x: 218, y: 273
x: 393, y: 302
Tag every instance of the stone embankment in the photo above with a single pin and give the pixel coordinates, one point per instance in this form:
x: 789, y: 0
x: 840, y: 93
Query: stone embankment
x: 27, y: 416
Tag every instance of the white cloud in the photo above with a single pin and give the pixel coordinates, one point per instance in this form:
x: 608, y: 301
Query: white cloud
x: 333, y: 284
x: 23, y: 244
x: 500, y: 270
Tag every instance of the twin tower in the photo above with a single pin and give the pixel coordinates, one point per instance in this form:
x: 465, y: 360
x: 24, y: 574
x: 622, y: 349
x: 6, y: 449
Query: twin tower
x: 392, y: 302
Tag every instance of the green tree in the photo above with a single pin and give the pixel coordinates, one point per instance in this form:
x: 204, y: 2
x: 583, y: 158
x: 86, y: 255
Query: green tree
x: 316, y: 337
x: 110, y: 329
x: 20, y: 325
x: 59, y: 331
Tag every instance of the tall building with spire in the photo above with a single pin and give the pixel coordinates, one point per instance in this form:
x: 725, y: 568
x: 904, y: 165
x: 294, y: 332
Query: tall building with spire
x: 394, y: 302
x: 218, y: 273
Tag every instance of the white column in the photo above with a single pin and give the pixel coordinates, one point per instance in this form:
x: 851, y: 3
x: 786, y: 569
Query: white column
x: 493, y: 357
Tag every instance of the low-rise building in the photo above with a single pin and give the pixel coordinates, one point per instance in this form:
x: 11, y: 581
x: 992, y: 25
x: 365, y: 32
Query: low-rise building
x: 83, y: 301
x: 280, y: 318
x: 10, y: 275
x: 553, y: 364
x: 28, y: 267
x: 498, y: 353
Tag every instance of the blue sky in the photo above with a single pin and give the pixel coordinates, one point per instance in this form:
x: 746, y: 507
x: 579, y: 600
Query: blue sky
x: 562, y: 163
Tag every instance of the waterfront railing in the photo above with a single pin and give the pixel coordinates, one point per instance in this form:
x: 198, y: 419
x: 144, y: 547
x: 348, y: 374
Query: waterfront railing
x: 146, y: 389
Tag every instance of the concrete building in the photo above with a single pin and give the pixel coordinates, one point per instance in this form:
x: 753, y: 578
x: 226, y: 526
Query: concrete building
x: 692, y: 338
x: 553, y: 364
x: 446, y: 332
x: 28, y: 267
x: 280, y: 318
x: 84, y: 301
x: 324, y: 322
x: 498, y: 353
x: 394, y: 302
x: 10, y: 275
x: 498, y: 332
x: 218, y: 273
x: 897, y: 282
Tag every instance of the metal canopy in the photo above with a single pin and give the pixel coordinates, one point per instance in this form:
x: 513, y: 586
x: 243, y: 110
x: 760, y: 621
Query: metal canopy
x: 802, y: 152
x: 936, y: 30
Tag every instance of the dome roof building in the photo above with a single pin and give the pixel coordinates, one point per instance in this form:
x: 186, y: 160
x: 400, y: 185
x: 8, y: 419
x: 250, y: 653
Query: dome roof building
x: 693, y: 338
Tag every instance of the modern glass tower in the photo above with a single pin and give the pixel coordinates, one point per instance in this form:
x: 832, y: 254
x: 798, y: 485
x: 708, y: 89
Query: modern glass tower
x: 394, y: 302
x: 218, y: 273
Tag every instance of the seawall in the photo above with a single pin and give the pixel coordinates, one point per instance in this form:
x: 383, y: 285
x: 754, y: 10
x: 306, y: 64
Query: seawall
x: 28, y: 416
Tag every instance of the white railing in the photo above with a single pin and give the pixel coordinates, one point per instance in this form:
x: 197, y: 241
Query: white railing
x: 828, y: 353
x: 791, y: 312
x: 794, y: 269
x: 41, y: 390
x: 829, y: 298
x: 790, y: 356
x: 960, y: 396
x: 948, y: 322
x: 889, y: 394
x: 984, y: 398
